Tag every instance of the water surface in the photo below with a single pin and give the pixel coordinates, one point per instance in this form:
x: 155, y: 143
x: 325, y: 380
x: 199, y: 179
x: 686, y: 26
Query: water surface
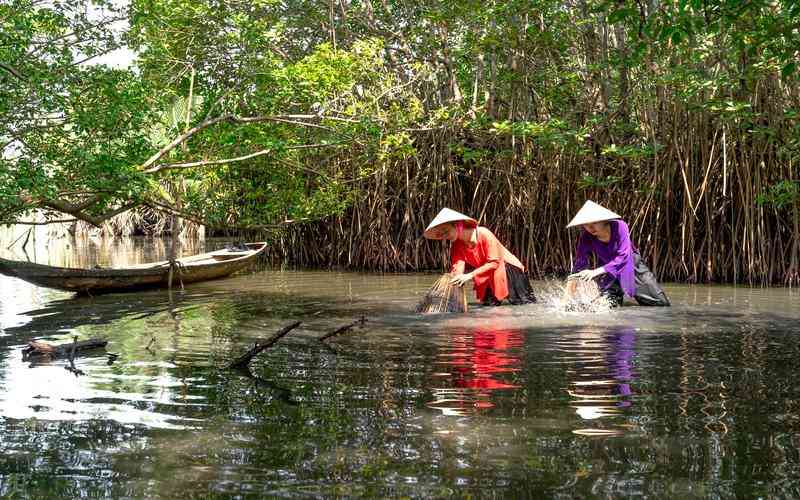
x: 698, y: 400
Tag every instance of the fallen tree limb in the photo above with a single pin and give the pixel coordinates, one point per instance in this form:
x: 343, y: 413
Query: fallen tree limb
x: 244, y: 360
x: 38, y: 348
x: 343, y: 329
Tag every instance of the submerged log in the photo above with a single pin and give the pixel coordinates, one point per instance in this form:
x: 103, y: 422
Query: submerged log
x: 39, y: 348
x: 244, y: 360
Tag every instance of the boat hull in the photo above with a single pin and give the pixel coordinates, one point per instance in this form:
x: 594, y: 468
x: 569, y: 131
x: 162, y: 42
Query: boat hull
x: 203, y: 267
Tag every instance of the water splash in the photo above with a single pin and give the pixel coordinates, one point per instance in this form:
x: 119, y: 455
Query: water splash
x: 587, y: 298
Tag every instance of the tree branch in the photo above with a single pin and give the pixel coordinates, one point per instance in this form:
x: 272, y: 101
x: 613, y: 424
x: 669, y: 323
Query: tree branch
x: 244, y: 360
x: 207, y: 163
x: 35, y: 223
x: 163, y: 207
x: 293, y: 119
x: 13, y: 71
x: 72, y: 208
x: 78, y: 213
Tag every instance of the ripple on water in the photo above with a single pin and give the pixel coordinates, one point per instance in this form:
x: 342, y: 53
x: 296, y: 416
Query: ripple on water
x: 493, y: 403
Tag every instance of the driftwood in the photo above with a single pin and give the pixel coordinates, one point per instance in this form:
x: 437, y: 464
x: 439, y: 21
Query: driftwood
x: 343, y: 329
x: 244, y: 360
x: 37, y: 348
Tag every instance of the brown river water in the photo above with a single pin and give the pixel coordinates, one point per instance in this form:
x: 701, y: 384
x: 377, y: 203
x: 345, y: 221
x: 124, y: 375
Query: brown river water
x: 699, y: 400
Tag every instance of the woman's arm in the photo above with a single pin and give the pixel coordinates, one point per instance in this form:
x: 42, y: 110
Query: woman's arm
x: 494, y: 255
x: 582, y: 251
x: 624, y: 251
x: 457, y: 258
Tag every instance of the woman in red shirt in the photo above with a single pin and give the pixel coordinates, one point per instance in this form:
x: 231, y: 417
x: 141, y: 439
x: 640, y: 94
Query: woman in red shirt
x: 477, y: 255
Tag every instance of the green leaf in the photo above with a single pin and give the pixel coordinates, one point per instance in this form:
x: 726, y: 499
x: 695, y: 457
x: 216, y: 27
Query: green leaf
x: 618, y: 15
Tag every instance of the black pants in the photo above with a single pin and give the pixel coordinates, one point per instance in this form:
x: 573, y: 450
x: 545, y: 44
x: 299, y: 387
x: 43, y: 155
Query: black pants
x: 519, y: 289
x: 648, y: 291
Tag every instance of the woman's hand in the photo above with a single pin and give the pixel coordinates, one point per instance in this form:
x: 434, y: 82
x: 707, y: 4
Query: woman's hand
x: 461, y: 279
x: 589, y: 274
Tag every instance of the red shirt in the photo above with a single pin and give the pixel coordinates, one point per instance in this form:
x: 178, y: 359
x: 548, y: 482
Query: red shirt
x: 489, y: 259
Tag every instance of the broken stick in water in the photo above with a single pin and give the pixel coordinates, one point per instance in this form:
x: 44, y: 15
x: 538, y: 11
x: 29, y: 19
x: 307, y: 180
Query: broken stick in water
x: 344, y: 328
x: 244, y: 360
x: 71, y: 366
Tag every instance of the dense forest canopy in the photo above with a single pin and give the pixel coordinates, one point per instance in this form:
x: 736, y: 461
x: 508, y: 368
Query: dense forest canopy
x: 360, y: 119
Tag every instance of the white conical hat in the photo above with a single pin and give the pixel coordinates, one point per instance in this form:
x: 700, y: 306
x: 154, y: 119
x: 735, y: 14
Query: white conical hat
x: 443, y: 217
x: 592, y: 212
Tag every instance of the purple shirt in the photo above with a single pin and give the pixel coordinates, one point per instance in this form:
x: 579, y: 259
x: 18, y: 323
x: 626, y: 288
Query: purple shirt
x: 616, y: 256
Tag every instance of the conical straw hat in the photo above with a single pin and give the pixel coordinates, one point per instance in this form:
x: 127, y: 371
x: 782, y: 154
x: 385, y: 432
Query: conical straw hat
x: 592, y: 212
x: 446, y: 215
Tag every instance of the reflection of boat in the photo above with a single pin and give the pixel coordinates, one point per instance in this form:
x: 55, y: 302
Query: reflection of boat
x: 201, y: 267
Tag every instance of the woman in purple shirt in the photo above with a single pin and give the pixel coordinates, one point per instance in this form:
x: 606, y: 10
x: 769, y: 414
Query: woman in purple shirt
x: 621, y: 270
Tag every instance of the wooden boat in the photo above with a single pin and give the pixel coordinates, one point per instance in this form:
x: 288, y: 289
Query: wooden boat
x: 201, y: 267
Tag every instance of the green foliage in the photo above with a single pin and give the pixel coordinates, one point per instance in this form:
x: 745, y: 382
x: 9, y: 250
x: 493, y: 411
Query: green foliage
x: 591, y: 182
x: 321, y: 106
x: 630, y: 152
x: 780, y: 195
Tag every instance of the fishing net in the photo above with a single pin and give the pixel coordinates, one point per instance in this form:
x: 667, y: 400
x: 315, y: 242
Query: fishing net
x: 444, y: 297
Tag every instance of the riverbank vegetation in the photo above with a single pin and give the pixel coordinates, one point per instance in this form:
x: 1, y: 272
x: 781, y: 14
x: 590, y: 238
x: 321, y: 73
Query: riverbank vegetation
x: 341, y: 127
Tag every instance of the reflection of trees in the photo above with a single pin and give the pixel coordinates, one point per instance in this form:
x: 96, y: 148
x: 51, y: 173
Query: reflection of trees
x: 86, y: 252
x: 706, y: 404
x: 715, y: 404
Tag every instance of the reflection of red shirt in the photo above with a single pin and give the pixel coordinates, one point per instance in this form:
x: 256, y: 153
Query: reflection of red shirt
x: 487, y: 355
x: 488, y: 257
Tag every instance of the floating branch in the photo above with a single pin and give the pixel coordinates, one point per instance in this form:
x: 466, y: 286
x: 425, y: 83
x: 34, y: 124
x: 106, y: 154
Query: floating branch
x: 245, y: 358
x: 344, y: 328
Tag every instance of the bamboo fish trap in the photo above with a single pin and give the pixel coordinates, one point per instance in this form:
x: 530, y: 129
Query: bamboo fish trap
x: 444, y: 297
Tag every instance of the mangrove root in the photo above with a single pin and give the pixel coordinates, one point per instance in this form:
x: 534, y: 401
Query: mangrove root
x: 244, y: 360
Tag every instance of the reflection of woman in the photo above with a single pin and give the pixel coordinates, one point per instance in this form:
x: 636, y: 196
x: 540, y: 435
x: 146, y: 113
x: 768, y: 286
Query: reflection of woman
x: 475, y: 362
x: 603, y: 389
x: 621, y: 362
x: 497, y: 274
x: 479, y: 356
x: 621, y: 270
